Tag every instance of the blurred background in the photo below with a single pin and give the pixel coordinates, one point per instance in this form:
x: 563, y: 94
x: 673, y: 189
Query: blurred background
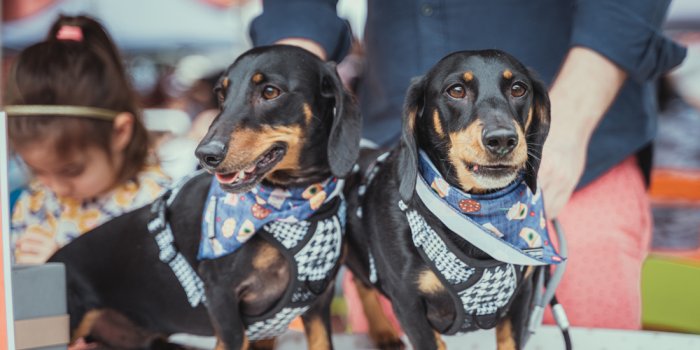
x: 174, y: 51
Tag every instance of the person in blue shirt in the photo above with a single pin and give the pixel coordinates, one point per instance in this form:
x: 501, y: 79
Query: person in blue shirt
x: 600, y: 59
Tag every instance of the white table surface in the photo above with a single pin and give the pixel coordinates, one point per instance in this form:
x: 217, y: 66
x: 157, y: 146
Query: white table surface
x: 547, y: 338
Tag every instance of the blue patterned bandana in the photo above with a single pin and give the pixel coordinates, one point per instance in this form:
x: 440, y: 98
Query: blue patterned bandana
x: 230, y: 219
x: 514, y: 214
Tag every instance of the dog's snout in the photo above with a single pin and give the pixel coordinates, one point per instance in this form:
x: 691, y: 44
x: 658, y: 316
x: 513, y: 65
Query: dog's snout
x: 500, y: 141
x: 211, y: 154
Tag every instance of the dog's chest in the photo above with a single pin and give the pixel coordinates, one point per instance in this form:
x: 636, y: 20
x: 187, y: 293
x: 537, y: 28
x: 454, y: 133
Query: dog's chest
x: 481, y: 290
x: 313, y: 247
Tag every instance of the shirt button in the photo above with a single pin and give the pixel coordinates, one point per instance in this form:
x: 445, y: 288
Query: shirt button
x: 426, y: 10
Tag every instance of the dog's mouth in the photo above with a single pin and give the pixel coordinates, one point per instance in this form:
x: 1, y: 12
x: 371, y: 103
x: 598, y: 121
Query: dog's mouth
x: 244, y: 179
x: 491, y: 170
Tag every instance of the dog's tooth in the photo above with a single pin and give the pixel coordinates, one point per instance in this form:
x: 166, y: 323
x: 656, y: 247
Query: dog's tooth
x: 241, y: 175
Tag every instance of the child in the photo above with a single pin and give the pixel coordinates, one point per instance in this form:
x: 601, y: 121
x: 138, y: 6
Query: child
x: 74, y: 120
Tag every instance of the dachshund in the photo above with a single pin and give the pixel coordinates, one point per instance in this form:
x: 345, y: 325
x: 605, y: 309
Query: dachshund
x: 285, y: 121
x: 481, y: 118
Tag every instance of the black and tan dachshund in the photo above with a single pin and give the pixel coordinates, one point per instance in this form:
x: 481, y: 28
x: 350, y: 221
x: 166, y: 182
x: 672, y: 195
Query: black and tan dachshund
x: 285, y: 119
x: 482, y: 118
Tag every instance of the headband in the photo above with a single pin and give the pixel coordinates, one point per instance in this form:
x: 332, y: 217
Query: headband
x: 68, y: 111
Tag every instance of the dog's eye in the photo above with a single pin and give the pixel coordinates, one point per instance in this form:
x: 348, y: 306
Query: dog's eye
x: 270, y: 92
x: 457, y: 91
x: 518, y: 90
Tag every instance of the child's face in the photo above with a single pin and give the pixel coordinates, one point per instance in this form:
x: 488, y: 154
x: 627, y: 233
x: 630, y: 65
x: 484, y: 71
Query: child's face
x: 83, y: 174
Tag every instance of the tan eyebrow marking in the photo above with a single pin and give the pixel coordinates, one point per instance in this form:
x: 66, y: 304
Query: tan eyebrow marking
x: 468, y: 75
x: 257, y: 78
x: 438, y: 125
x: 507, y: 74
x: 225, y: 82
x: 308, y: 115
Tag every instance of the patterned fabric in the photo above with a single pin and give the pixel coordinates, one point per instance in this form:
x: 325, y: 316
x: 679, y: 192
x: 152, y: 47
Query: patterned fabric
x: 274, y: 326
x: 64, y: 219
x: 230, y: 219
x: 479, y: 292
x: 313, y: 245
x: 454, y: 270
x: 321, y: 253
x: 492, y: 292
x: 317, y: 255
x: 289, y: 234
x: 513, y: 214
x: 159, y: 227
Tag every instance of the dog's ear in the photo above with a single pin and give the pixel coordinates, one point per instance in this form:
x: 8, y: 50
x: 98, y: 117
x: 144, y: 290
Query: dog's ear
x: 346, y: 131
x: 408, y: 153
x: 220, y: 88
x: 536, y: 130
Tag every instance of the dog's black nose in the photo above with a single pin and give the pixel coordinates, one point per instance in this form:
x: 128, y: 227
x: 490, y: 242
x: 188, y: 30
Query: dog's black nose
x: 500, y: 141
x: 211, y: 154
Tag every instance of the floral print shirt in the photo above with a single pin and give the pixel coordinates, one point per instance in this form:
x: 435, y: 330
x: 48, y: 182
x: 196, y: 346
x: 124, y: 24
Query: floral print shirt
x: 40, y: 210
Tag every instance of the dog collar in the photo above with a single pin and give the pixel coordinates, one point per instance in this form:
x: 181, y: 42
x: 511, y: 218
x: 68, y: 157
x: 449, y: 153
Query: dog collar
x: 230, y: 220
x: 509, y: 224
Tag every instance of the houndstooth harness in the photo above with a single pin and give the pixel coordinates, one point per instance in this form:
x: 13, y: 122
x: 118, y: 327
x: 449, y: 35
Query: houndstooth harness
x: 312, y: 247
x: 482, y: 290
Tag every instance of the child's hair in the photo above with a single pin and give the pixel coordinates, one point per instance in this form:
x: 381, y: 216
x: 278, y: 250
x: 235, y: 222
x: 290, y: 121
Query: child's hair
x: 76, y: 65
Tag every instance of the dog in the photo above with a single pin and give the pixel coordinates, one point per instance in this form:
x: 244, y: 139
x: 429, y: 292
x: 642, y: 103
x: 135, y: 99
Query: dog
x: 286, y: 122
x: 481, y: 118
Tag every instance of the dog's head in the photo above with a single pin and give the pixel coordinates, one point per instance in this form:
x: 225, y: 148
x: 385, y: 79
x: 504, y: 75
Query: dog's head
x: 481, y: 116
x: 284, y: 117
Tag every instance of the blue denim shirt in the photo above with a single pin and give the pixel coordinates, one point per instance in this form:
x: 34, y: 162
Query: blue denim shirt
x: 404, y: 38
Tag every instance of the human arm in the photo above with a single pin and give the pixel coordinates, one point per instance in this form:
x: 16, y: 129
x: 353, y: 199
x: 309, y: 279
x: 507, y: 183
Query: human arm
x: 311, y: 24
x: 584, y: 89
x: 611, y: 41
x: 31, y: 232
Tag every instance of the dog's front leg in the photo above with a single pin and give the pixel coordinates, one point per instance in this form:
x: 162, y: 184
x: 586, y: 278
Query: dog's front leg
x: 412, y: 316
x: 224, y: 312
x: 226, y: 319
x: 512, y: 331
x: 381, y: 331
x: 317, y: 321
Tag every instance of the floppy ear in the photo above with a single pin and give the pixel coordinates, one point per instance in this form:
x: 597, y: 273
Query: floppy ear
x: 220, y: 88
x: 346, y: 131
x: 536, y: 131
x: 408, y: 153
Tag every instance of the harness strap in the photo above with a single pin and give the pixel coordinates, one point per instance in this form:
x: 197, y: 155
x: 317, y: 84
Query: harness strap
x: 470, y: 231
x: 162, y: 233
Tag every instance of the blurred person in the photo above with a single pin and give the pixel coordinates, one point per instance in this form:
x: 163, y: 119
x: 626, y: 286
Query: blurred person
x: 174, y: 150
x: 74, y: 120
x: 600, y: 59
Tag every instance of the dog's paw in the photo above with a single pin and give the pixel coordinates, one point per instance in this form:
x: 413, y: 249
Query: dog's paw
x: 387, y: 340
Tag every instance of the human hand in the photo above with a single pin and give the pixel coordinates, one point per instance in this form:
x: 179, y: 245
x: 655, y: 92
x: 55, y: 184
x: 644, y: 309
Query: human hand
x: 563, y: 161
x: 34, y: 248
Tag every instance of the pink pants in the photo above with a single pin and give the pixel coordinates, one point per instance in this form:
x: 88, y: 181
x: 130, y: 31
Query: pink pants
x: 608, y: 229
